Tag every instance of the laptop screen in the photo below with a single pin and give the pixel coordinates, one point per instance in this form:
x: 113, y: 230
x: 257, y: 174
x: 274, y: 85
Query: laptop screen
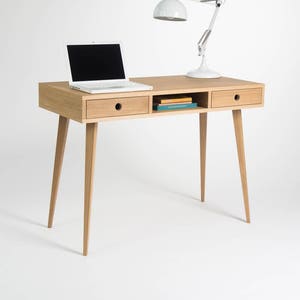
x: 96, y: 62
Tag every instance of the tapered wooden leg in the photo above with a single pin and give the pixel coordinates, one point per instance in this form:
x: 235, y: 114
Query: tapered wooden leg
x: 63, y: 125
x: 238, y: 126
x: 90, y: 154
x: 203, y: 131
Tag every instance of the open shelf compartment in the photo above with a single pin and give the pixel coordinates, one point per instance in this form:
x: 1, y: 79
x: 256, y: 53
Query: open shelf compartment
x: 202, y: 100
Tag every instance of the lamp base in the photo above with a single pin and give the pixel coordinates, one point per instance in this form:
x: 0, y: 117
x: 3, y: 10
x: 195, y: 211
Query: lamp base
x: 203, y: 71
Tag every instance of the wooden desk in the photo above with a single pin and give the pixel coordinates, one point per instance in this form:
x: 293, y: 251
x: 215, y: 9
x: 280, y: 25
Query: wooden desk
x: 209, y: 94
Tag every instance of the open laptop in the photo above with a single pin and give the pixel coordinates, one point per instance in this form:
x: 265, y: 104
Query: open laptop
x: 99, y: 68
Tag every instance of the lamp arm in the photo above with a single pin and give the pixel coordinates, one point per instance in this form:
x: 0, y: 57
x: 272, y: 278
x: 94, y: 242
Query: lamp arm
x: 204, y: 39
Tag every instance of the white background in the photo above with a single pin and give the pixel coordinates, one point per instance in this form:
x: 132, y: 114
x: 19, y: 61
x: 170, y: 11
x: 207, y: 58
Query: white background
x: 151, y: 238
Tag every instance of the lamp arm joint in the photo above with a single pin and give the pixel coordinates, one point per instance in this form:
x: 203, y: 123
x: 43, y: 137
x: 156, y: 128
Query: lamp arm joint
x: 204, y: 39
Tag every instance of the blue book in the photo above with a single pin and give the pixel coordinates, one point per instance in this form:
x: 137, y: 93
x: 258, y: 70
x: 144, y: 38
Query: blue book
x: 174, y: 106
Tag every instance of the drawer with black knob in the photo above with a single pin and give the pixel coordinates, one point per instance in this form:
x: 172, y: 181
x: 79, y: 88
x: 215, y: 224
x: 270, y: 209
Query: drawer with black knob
x: 237, y: 97
x: 117, y: 107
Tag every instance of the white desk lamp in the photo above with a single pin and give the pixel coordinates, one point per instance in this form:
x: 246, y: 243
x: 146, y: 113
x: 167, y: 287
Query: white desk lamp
x: 174, y: 10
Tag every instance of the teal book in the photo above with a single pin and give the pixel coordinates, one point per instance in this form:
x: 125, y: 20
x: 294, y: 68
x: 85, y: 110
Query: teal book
x: 174, y: 106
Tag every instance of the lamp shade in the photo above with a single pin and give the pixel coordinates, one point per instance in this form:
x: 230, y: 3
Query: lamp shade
x: 170, y: 10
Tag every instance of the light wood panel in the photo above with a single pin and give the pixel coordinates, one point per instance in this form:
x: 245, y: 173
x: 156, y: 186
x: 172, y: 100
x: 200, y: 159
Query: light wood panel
x: 203, y: 134
x: 90, y: 155
x: 65, y: 102
x: 63, y: 125
x: 238, y: 126
x: 163, y: 85
x: 170, y: 113
x: 117, y: 107
x: 182, y: 84
x: 237, y: 97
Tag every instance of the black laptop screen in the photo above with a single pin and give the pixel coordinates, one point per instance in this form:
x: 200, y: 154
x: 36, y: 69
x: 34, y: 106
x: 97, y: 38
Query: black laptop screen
x: 96, y: 62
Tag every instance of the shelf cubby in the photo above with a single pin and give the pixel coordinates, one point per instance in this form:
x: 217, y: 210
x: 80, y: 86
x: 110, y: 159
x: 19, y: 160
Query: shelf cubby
x: 201, y: 98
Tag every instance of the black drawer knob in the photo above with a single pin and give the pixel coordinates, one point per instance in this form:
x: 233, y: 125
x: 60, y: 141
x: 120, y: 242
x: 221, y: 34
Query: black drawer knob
x: 118, y: 106
x: 237, y: 97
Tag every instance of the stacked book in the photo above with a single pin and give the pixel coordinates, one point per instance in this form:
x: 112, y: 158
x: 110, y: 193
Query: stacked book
x: 173, y: 102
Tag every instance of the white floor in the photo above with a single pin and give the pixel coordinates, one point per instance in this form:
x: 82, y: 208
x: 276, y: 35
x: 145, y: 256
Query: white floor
x: 151, y: 238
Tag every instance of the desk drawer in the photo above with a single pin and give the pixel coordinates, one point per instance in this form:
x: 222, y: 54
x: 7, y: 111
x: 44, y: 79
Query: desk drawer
x: 117, y: 107
x: 237, y: 97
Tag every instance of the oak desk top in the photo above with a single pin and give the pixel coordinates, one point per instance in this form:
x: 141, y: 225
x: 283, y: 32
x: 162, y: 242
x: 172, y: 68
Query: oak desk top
x: 210, y: 94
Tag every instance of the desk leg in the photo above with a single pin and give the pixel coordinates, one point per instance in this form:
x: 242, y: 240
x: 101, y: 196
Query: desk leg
x: 203, y: 130
x: 90, y: 154
x: 63, y: 125
x: 238, y: 126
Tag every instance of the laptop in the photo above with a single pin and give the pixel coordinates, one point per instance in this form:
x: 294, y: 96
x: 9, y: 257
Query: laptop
x: 99, y: 68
